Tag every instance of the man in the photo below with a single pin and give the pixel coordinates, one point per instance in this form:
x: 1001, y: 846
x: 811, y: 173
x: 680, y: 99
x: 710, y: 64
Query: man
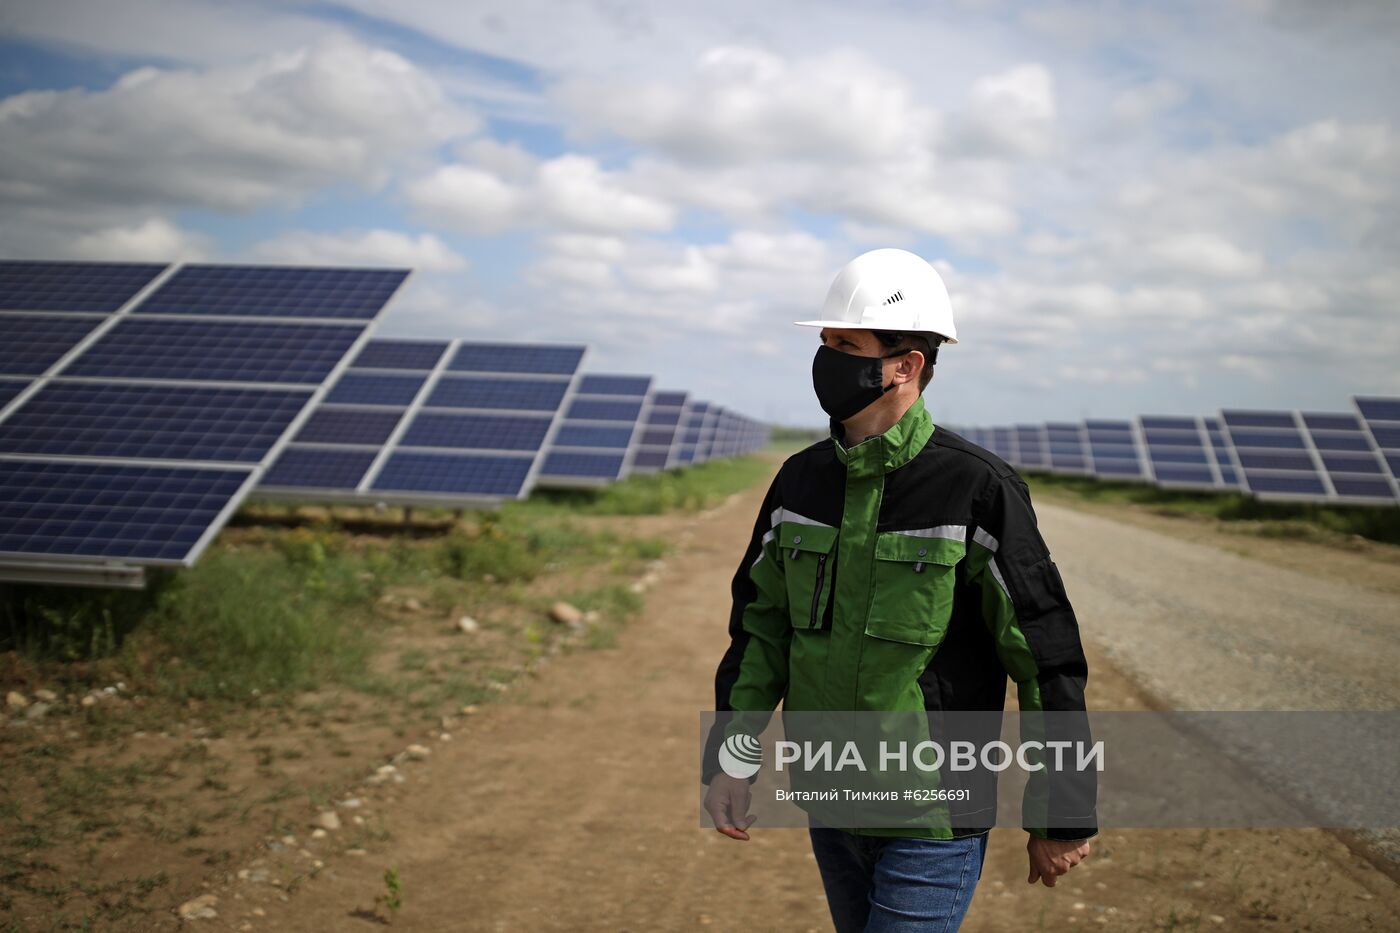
x: 896, y: 566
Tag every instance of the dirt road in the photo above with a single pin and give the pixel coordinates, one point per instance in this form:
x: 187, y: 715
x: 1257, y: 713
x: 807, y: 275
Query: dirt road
x: 571, y: 805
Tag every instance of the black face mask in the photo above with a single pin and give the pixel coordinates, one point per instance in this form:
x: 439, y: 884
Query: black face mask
x: 847, y: 384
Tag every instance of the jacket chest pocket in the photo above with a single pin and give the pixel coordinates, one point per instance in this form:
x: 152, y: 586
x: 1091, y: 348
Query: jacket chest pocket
x: 913, y: 587
x: 807, y: 554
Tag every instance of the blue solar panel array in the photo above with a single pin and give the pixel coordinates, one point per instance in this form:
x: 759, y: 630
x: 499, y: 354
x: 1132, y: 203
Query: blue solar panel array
x: 1177, y: 451
x: 430, y: 422
x: 131, y: 424
x: 691, y: 426
x: 1067, y: 447
x: 1350, y: 457
x: 79, y: 287
x: 1351, y: 462
x: 1275, y: 457
x: 660, y: 432
x: 35, y: 342
x: 517, y: 358
x: 595, y: 443
x: 1114, y: 450
x: 151, y: 422
x: 56, y: 509
x: 1221, y: 453
x: 139, y: 403
x: 1381, y: 416
x: 219, y: 351
x: 1030, y: 444
x: 275, y: 291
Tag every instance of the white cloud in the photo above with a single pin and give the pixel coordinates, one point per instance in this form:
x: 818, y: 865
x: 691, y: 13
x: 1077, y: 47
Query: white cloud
x: 1011, y: 114
x: 231, y: 137
x: 152, y: 240
x: 362, y: 248
x: 169, y: 30
x: 570, y: 192
x: 1142, y: 102
x: 747, y: 283
x: 1205, y: 255
x: 749, y: 105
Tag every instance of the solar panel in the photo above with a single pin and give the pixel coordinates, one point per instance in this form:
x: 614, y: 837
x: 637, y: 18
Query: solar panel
x: 35, y: 342
x: 1352, y: 463
x: 329, y: 425
x: 63, y: 509
x: 453, y: 474
x: 1114, y: 451
x: 1381, y: 417
x: 1177, y: 454
x: 1275, y: 457
x: 306, y: 467
x: 688, y: 433
x: 704, y: 448
x: 355, y: 388
x: 151, y: 422
x: 516, y: 358
x: 1004, y: 445
x: 1221, y: 453
x: 9, y: 388
x: 78, y: 287
x: 660, y: 430
x: 631, y: 386
x: 275, y: 291
x: 600, y: 434
x: 475, y: 432
x: 565, y: 464
x: 143, y: 424
x: 524, y: 394
x: 1067, y: 447
x: 574, y: 434
x: 1031, y: 446
x: 217, y: 351
x: 416, y: 422
x: 420, y: 355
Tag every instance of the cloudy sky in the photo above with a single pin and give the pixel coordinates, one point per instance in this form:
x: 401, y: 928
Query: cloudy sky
x: 1138, y: 207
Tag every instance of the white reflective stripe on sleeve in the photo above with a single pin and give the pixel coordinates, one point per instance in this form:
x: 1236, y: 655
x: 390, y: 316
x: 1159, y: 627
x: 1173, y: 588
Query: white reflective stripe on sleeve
x: 950, y: 532
x: 767, y: 536
x: 996, y: 575
x: 987, y: 541
x: 781, y: 515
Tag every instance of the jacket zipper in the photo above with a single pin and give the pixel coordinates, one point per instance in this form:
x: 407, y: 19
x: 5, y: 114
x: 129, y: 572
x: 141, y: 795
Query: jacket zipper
x: 817, y: 590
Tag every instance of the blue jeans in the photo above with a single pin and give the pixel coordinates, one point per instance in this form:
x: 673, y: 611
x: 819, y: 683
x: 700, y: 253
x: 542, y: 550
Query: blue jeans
x: 896, y: 884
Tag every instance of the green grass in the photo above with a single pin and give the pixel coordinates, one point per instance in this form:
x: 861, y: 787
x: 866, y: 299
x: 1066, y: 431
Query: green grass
x: 689, y: 490
x: 292, y: 604
x: 1307, y: 521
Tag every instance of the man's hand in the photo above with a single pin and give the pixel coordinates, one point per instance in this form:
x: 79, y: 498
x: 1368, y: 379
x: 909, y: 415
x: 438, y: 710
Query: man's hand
x: 727, y: 802
x: 1051, y: 858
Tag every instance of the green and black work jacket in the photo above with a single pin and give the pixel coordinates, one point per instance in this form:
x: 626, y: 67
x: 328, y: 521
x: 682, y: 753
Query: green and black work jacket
x: 903, y: 573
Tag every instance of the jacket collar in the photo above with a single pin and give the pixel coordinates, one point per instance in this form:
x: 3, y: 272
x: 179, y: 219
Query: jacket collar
x: 883, y: 453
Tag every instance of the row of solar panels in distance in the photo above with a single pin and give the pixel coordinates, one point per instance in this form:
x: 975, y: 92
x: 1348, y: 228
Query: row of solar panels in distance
x: 476, y: 435
x: 593, y: 441
x: 1278, y: 452
x: 659, y: 431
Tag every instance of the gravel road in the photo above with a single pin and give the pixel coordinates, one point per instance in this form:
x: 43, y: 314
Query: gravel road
x: 1204, y: 629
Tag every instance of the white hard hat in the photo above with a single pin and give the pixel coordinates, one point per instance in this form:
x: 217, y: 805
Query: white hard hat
x: 888, y: 289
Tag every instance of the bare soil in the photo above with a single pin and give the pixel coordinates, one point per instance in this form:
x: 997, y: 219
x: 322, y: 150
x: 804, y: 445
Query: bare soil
x: 571, y: 801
